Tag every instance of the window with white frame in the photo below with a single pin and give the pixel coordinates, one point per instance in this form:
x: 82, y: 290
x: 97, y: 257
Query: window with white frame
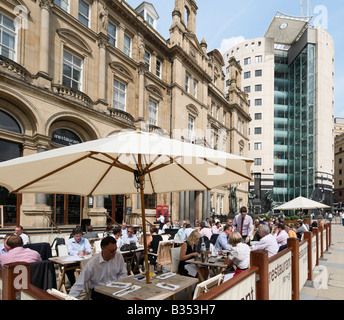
x: 257, y: 161
x: 153, y: 113
x: 63, y: 4
x: 221, y: 204
x: 112, y: 33
x: 158, y: 68
x: 247, y: 61
x: 72, y: 70
x: 187, y: 82
x: 195, y: 88
x: 259, y: 59
x: 119, y: 95
x: 148, y: 60
x: 212, y: 109
x: 191, y: 129
x: 257, y: 146
x: 247, y: 74
x: 127, y: 45
x: 150, y: 20
x: 8, y: 37
x: 258, y: 130
x: 84, y: 13
x: 258, y: 87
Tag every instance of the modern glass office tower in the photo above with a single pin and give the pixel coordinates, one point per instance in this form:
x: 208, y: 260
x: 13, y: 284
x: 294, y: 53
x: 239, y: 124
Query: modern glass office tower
x: 289, y: 77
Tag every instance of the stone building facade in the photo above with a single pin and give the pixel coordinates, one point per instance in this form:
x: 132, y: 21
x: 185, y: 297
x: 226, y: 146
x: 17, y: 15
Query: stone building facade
x: 74, y: 71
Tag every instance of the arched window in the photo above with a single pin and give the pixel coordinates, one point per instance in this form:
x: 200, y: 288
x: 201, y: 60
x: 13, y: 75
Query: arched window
x: 8, y: 123
x: 65, y: 137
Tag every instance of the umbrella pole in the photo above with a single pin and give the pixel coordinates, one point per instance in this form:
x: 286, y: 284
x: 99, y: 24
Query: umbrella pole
x: 142, y: 177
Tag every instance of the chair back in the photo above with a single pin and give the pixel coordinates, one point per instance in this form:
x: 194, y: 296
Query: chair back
x: 97, y: 246
x: 62, y: 250
x: 42, y: 274
x: 43, y: 248
x: 175, y: 253
x: 165, y: 237
x: 207, y: 285
x: 164, y: 253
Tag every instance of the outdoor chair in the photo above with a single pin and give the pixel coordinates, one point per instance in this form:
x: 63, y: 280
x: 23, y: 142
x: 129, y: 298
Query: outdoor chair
x: 60, y: 295
x: 207, y: 285
x: 164, y: 256
x: 175, y: 254
x: 62, y: 250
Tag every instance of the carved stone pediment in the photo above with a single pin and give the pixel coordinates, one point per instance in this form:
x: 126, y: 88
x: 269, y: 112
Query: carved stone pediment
x: 74, y: 39
x: 18, y: 4
x: 122, y: 70
x: 153, y: 90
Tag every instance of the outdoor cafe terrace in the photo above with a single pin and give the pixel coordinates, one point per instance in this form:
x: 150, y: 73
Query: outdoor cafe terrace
x: 280, y: 277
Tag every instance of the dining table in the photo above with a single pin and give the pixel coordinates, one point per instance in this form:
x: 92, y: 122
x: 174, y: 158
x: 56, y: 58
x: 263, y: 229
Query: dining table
x: 162, y: 286
x: 132, y: 259
x: 66, y: 263
x: 215, y: 263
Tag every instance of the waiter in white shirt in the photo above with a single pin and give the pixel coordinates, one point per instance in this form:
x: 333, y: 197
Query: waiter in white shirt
x: 161, y: 220
x: 244, y: 225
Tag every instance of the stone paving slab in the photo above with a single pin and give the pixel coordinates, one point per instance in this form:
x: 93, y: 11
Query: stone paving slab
x: 328, y: 284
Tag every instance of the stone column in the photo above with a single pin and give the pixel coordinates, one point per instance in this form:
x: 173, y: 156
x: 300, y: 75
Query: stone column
x: 43, y: 75
x: 102, y: 43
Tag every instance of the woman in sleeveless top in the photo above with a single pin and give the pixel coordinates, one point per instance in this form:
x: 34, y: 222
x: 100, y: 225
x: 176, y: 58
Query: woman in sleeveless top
x: 188, y: 251
x: 153, y: 243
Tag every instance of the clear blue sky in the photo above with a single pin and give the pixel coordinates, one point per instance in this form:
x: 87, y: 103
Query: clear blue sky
x: 222, y: 22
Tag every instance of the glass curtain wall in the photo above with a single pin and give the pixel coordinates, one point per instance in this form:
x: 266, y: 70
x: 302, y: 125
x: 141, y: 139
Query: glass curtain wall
x: 301, y: 153
x: 281, y: 88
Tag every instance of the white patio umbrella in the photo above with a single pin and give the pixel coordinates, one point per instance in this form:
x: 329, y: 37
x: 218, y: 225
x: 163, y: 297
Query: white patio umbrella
x: 125, y: 163
x: 301, y: 203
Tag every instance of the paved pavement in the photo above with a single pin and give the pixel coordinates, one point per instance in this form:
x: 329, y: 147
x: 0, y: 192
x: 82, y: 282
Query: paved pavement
x: 328, y: 281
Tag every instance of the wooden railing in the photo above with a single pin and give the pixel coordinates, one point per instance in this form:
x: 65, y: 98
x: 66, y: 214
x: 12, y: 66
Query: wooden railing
x: 15, y: 284
x: 280, y: 277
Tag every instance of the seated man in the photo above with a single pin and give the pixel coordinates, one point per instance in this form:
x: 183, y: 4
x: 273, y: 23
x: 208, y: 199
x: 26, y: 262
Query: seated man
x: 17, y: 253
x: 18, y: 231
x: 222, y: 240
x: 129, y: 237
x: 103, y: 268
x: 268, y: 241
x: 78, y: 245
x: 90, y: 234
x: 4, y: 248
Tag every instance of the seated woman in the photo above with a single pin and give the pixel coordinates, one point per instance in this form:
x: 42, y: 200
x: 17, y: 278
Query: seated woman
x: 153, y: 244
x: 188, y: 251
x: 239, y: 255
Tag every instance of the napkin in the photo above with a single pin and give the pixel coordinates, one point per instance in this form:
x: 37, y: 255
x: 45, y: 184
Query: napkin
x: 167, y: 286
x: 118, y: 285
x: 126, y: 291
x: 166, y: 275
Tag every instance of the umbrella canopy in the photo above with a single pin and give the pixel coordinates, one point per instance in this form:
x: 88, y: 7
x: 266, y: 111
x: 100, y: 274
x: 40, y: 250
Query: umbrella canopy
x: 301, y: 203
x: 125, y: 163
x: 106, y: 166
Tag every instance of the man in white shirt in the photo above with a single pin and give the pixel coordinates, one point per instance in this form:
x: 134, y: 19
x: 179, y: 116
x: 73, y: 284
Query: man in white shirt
x: 19, y: 232
x: 188, y: 230
x: 103, y: 268
x: 129, y: 236
x: 244, y: 225
x: 268, y: 242
x: 161, y: 220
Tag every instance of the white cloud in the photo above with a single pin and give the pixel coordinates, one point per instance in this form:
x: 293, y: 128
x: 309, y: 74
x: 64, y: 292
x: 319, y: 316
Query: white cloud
x: 226, y: 44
